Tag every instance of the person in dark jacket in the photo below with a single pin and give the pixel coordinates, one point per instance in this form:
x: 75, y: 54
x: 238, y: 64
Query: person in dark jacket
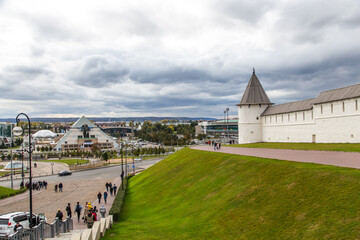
x: 68, y: 210
x: 99, y: 197
x: 105, y: 195
x: 59, y: 215
x: 60, y: 187
x: 78, y: 210
x: 114, y: 188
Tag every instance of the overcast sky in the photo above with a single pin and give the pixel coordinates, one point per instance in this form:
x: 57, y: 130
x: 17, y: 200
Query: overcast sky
x: 170, y: 58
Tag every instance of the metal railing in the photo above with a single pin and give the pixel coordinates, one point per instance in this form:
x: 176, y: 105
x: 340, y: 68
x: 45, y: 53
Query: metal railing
x: 42, y: 231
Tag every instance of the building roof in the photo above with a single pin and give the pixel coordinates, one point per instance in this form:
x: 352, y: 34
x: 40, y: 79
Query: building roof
x: 289, y: 107
x: 254, y: 93
x: 339, y: 94
x: 44, y: 134
x: 81, y: 121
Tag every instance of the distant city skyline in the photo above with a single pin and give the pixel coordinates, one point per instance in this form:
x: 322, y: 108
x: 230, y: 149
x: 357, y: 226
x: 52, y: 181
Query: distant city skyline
x: 170, y: 58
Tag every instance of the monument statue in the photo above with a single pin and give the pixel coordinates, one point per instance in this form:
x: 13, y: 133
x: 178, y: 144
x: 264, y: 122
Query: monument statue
x: 85, y: 129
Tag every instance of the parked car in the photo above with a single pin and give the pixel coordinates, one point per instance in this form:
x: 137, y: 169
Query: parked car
x: 9, y: 220
x: 64, y: 173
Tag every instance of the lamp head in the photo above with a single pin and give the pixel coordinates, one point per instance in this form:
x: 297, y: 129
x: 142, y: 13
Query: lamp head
x: 17, y: 131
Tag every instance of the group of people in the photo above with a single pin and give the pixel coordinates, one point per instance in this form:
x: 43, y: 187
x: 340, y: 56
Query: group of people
x: 35, y: 185
x: 217, y: 145
x: 90, y: 212
x: 58, y: 187
x: 110, y: 187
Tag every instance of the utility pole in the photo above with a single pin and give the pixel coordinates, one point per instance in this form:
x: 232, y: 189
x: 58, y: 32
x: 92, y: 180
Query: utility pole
x: 227, y: 123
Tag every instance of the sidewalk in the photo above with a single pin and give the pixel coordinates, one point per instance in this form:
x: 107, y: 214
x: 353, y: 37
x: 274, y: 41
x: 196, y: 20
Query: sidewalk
x: 340, y: 159
x: 110, y: 200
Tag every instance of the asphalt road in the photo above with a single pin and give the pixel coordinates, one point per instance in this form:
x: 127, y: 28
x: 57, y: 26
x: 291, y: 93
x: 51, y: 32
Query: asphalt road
x: 102, y: 173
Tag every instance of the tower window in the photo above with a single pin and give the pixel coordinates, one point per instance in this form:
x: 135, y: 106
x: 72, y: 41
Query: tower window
x: 304, y: 116
x: 343, y: 106
x: 321, y: 109
x: 332, y: 108
x: 356, y: 105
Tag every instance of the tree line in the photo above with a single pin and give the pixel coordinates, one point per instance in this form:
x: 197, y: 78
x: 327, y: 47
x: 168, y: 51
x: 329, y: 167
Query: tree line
x: 173, y: 134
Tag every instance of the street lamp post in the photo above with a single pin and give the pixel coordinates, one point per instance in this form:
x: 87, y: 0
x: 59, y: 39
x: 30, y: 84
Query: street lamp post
x: 18, y: 131
x: 22, y: 163
x: 122, y: 166
x: 227, y: 123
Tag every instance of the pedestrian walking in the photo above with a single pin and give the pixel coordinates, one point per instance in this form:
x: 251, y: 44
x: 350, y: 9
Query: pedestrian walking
x: 60, y: 187
x: 59, y: 215
x: 86, y: 211
x: 219, y: 145
x: 99, y: 197
x: 111, y: 190
x: 93, y: 212
x: 107, y: 186
x: 102, y: 211
x: 114, y: 188
x: 78, y: 210
x: 56, y: 188
x: 68, y: 210
x: 105, y: 196
x: 89, y: 219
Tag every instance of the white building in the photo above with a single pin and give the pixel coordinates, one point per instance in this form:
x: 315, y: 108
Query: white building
x: 332, y: 117
x: 82, y: 135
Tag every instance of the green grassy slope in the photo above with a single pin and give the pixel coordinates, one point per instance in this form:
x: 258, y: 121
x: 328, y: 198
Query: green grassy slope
x: 6, y: 192
x: 340, y: 147
x: 203, y: 195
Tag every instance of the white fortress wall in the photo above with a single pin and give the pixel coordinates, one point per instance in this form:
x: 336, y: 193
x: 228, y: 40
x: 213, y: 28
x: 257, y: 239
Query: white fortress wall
x: 289, y: 127
x: 338, y: 121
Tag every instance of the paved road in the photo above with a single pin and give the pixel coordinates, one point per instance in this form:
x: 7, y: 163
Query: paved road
x: 342, y: 159
x: 81, y: 186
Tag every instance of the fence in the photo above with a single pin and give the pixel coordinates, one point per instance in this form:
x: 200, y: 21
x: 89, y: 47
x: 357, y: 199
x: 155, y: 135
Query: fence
x: 42, y: 231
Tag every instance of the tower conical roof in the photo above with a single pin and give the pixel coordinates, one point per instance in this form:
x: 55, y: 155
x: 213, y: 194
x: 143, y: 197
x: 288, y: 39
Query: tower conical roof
x: 254, y: 93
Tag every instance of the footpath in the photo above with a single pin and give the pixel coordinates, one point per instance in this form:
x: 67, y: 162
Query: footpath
x: 94, y: 202
x: 341, y: 159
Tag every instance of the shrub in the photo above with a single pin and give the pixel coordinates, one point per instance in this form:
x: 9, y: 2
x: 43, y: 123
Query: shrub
x: 118, y: 203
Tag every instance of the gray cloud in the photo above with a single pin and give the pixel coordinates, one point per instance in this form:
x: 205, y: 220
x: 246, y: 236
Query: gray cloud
x: 248, y: 11
x: 99, y: 71
x: 173, y: 58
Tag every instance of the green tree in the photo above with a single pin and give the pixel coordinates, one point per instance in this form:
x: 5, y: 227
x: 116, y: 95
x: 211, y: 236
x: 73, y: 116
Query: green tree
x: 105, y: 156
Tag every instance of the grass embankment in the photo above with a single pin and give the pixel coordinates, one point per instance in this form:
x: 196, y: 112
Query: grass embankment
x: 203, y: 195
x: 8, y: 192
x: 340, y: 147
x: 68, y: 161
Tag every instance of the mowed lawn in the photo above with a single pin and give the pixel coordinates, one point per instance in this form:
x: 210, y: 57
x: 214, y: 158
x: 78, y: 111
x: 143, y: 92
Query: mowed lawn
x: 7, y: 191
x: 203, y: 195
x: 342, y: 147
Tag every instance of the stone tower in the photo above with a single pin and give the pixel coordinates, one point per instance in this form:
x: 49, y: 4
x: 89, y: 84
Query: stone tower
x: 253, y: 103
